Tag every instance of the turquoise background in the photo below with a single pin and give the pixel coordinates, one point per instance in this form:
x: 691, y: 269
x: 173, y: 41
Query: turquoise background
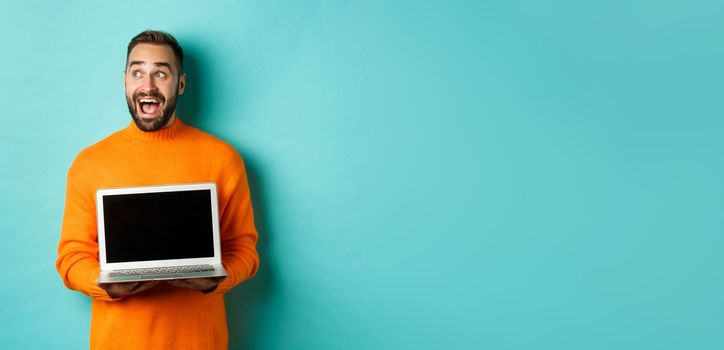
x: 452, y: 174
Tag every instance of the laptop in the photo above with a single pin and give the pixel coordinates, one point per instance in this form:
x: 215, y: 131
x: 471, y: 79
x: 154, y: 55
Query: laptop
x: 158, y: 233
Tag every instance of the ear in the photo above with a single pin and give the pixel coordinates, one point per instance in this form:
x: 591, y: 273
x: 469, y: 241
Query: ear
x: 182, y: 83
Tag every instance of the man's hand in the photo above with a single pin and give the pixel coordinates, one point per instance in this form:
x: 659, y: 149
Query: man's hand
x: 118, y: 290
x: 206, y: 285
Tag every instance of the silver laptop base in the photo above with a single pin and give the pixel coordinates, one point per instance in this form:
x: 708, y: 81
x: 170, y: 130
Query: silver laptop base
x: 218, y: 271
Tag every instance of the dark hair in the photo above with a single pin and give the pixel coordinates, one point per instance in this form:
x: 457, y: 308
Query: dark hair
x: 158, y: 37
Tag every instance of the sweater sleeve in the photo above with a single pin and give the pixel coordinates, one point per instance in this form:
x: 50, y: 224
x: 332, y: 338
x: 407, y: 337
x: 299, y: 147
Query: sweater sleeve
x: 238, y: 233
x: 77, y: 261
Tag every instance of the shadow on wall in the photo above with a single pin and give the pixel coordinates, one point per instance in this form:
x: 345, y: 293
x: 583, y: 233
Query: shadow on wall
x: 189, y: 107
x: 244, y: 304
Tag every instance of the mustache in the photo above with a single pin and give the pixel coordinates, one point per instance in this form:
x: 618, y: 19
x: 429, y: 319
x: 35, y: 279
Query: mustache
x: 154, y: 94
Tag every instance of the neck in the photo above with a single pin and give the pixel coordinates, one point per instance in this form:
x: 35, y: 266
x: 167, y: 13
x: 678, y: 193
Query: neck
x: 170, y: 121
x: 171, y: 130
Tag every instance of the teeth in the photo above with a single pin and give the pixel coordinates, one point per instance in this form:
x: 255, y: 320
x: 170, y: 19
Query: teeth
x: 146, y: 100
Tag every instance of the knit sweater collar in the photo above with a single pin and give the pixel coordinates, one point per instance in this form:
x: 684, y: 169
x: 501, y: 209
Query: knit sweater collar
x: 157, y: 136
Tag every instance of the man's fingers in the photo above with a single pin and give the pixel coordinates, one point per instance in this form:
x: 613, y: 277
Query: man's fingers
x: 196, y: 283
x: 141, y: 286
x: 149, y: 284
x: 179, y: 283
x: 117, y: 290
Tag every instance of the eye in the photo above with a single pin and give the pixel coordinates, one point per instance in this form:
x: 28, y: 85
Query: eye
x: 160, y: 75
x: 136, y: 74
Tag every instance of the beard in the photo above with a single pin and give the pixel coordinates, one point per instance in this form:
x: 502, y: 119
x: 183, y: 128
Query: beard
x: 169, y: 106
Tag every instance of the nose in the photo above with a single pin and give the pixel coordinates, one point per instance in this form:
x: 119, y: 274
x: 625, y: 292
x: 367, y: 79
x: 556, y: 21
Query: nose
x: 148, y: 84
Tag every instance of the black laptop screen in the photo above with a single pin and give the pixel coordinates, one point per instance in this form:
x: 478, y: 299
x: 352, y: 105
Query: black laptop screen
x: 158, y: 226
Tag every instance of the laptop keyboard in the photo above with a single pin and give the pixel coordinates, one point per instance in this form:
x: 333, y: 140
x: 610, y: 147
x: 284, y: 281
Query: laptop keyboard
x: 161, y: 270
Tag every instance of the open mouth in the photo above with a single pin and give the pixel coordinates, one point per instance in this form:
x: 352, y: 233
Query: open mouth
x: 149, y: 105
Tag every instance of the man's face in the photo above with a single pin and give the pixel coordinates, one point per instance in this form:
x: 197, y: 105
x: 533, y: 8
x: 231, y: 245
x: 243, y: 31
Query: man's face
x: 152, y: 84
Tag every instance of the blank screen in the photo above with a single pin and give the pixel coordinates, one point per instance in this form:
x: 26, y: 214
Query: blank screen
x: 158, y: 226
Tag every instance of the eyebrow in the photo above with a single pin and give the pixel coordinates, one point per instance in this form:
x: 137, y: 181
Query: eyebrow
x: 158, y: 64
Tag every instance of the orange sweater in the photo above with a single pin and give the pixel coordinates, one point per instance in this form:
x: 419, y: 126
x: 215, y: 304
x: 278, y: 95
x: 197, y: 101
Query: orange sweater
x: 163, y: 317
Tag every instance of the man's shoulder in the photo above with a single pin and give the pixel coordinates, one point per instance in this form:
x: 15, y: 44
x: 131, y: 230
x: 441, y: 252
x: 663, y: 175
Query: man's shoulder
x: 98, y: 149
x: 94, y: 157
x: 211, y: 143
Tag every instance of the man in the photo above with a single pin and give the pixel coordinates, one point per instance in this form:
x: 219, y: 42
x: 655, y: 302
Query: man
x: 156, y: 148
